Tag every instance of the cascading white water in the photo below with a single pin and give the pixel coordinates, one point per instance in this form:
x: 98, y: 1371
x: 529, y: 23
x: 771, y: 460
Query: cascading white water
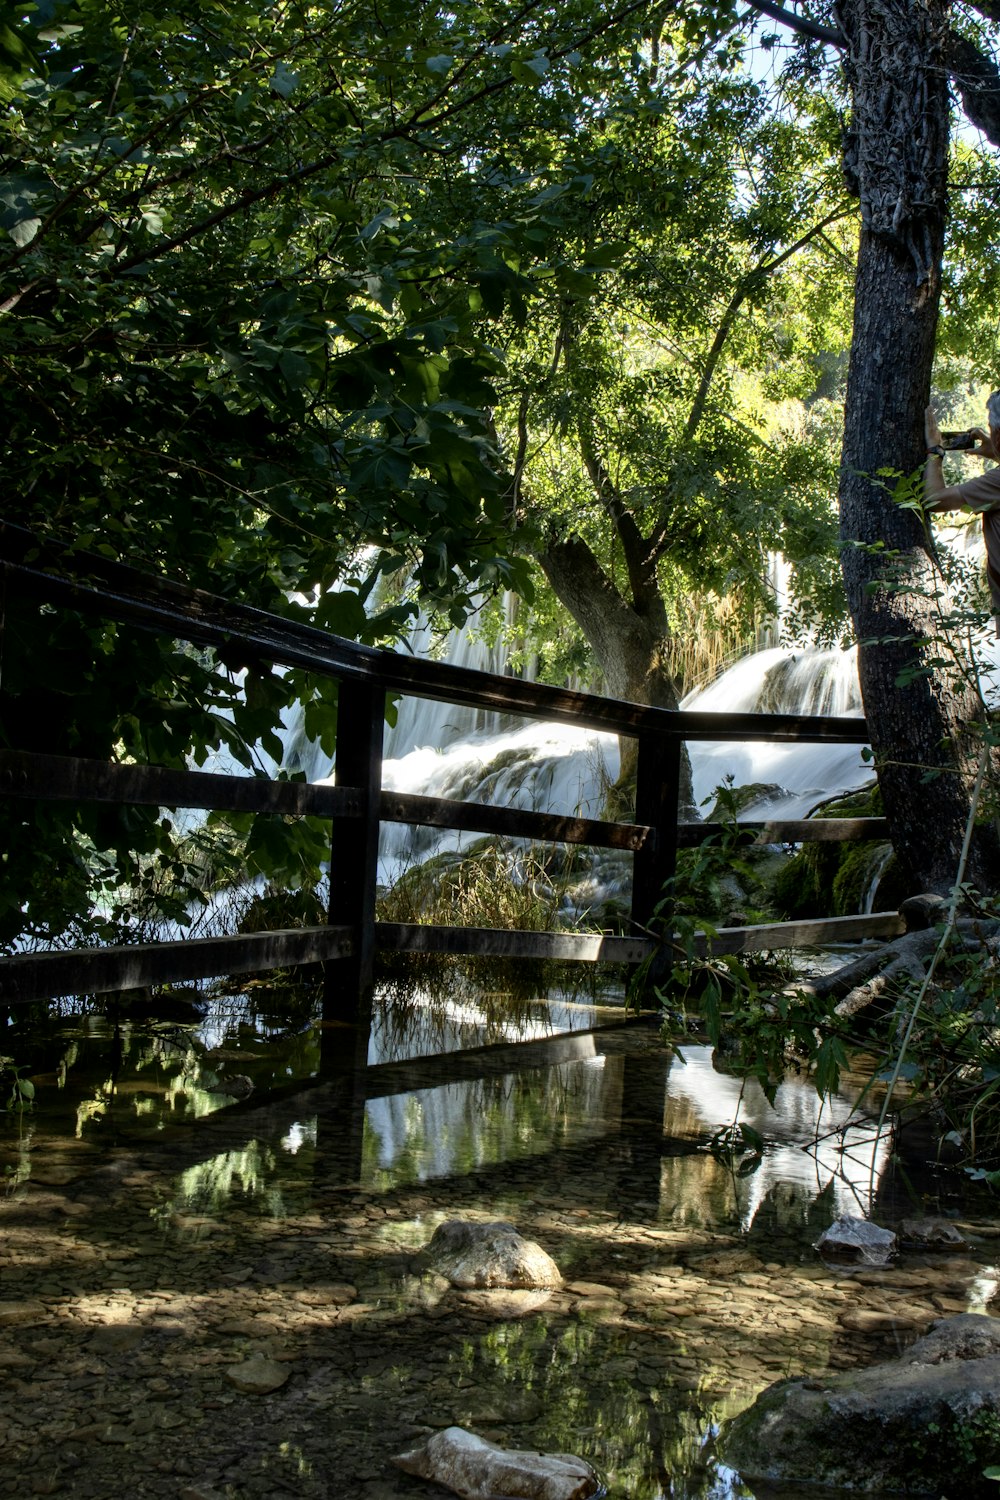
x: 792, y: 777
x: 444, y: 751
x: 544, y: 768
x: 434, y: 750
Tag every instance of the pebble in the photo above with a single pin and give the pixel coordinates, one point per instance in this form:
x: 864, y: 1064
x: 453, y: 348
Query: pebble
x: 17, y: 1313
x: 861, y: 1320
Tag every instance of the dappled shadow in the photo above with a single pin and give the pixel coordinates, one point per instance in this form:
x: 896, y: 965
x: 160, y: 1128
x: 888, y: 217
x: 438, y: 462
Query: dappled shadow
x: 137, y: 1276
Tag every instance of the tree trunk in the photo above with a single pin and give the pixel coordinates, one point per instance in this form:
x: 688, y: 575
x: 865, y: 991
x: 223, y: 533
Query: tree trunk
x: 630, y: 644
x: 630, y: 647
x: 896, y: 158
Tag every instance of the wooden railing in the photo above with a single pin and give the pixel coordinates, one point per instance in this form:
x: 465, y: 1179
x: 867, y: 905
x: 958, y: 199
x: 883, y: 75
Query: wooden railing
x: 356, y: 805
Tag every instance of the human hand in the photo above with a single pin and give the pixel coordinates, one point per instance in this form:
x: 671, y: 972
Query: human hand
x: 932, y: 432
x: 986, y: 447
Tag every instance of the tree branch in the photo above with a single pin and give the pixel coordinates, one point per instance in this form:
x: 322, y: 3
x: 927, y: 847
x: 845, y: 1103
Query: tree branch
x: 977, y: 79
x: 419, y: 120
x: 752, y: 279
x: 988, y: 8
x: 801, y: 24
x: 641, y: 576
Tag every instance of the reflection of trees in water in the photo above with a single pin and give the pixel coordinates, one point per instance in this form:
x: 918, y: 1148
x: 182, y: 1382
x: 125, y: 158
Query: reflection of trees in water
x: 212, y: 1185
x: 592, y: 1397
x: 819, y: 1145
x: 696, y: 1191
x: 129, y: 1069
x: 413, y: 1019
x: 458, y: 1127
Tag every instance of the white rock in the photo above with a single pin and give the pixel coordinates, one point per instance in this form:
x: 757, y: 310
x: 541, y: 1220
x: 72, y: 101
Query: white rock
x: 473, y: 1256
x: 478, y: 1470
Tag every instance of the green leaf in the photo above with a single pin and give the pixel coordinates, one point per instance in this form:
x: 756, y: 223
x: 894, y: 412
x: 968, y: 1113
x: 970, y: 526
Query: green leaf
x: 24, y: 231
x: 530, y: 70
x: 284, y: 80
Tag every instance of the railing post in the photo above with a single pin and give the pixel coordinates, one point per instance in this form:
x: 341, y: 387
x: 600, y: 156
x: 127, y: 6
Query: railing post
x: 354, y: 850
x: 657, y: 789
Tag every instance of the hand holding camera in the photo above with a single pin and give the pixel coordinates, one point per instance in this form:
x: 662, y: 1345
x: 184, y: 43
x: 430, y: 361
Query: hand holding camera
x: 975, y: 440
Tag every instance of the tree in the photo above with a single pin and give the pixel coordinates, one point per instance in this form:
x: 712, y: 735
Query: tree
x: 384, y: 204
x: 897, y: 57
x: 244, y: 332
x: 646, y: 466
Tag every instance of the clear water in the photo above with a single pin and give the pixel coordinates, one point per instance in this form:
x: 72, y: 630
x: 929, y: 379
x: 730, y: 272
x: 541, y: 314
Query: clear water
x: 155, y: 1234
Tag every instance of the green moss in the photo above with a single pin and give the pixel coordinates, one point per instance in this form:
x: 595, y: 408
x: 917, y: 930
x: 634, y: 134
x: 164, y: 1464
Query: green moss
x: 833, y: 880
x: 804, y: 886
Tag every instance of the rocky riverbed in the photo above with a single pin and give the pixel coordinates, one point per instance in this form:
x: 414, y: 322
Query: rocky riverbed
x: 210, y: 1317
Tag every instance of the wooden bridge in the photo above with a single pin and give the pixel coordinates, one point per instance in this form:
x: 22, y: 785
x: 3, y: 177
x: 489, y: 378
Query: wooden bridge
x: 357, y: 804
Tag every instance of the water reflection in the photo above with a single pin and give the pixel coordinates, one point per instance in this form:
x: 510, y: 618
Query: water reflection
x: 418, y: 1020
x: 418, y: 1120
x: 645, y: 1118
x: 812, y: 1144
x: 297, y: 1218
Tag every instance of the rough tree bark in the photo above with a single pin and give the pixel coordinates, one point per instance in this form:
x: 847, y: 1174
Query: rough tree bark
x: 629, y: 640
x: 896, y: 160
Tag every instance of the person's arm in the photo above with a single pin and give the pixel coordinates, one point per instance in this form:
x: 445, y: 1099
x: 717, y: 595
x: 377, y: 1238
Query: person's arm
x: 937, y: 494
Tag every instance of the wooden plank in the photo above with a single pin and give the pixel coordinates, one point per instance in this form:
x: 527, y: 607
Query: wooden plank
x: 116, y: 591
x: 477, y: 817
x: 816, y: 933
x: 656, y: 797
x: 96, y: 971
x: 69, y: 778
x: 791, y: 831
x: 409, y: 937
x: 90, y: 971
x: 354, y: 851
x: 402, y: 937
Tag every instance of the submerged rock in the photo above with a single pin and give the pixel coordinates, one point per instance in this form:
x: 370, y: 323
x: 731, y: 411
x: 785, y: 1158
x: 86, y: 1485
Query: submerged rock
x: 474, y: 1256
x: 931, y: 1234
x: 927, y: 1423
x: 257, y: 1376
x: 503, y: 1303
x: 478, y: 1470
x: 236, y: 1086
x: 857, y: 1240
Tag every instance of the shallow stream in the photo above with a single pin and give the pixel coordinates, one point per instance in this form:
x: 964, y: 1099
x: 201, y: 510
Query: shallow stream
x: 159, y: 1232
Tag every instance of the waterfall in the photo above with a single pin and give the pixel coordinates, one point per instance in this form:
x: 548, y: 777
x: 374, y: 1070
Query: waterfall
x: 791, y: 778
x: 441, y: 750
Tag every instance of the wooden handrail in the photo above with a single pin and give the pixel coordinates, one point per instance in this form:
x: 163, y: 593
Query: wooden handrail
x: 357, y: 804
x: 117, y: 591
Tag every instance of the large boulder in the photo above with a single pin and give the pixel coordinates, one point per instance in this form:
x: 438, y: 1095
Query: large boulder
x: 927, y: 1423
x: 476, y: 1256
x: 479, y: 1470
x: 856, y: 1240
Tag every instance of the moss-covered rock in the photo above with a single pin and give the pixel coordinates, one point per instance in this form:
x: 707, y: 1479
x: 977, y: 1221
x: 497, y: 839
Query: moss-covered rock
x: 836, y: 880
x: 927, y: 1423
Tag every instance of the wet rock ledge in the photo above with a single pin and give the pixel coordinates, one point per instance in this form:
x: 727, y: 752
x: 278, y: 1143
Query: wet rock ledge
x: 927, y: 1423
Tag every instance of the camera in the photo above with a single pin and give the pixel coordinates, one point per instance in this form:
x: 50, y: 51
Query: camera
x: 957, y: 442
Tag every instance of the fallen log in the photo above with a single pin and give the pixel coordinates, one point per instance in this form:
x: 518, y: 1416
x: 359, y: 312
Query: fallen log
x: 862, y: 984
